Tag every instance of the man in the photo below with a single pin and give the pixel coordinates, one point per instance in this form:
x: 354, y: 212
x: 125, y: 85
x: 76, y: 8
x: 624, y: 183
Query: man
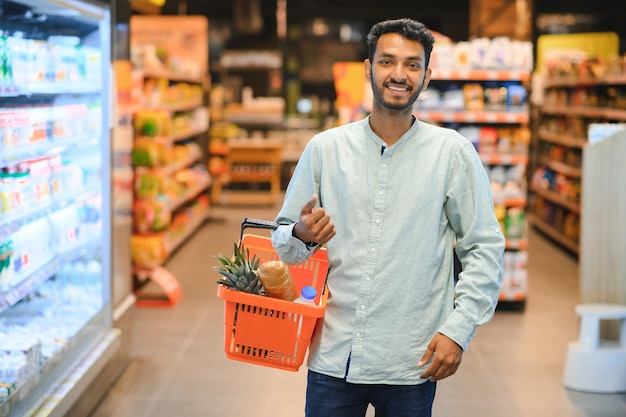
x: 390, y: 197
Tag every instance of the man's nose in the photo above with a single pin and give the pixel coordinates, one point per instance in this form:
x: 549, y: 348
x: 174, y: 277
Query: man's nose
x: 399, y: 73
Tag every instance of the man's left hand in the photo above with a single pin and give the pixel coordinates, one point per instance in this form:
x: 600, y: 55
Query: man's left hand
x: 446, y: 354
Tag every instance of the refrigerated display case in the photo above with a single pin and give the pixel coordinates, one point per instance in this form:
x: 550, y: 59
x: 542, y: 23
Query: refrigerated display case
x: 56, y: 332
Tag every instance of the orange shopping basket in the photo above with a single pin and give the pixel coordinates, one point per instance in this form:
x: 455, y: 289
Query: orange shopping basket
x: 270, y: 331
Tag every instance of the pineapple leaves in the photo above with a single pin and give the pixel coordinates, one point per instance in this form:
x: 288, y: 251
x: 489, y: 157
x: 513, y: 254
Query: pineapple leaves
x: 240, y: 272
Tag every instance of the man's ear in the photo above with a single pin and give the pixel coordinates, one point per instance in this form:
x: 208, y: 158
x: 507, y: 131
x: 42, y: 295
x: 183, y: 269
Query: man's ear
x: 368, y: 69
x: 427, y: 78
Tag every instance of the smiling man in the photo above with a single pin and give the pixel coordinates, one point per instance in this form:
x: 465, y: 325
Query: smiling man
x: 390, y: 196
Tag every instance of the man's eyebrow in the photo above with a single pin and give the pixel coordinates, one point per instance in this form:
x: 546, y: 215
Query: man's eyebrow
x: 411, y: 58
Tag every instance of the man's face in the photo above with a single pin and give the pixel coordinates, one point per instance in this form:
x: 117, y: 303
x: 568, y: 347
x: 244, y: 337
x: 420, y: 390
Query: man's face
x: 397, y: 72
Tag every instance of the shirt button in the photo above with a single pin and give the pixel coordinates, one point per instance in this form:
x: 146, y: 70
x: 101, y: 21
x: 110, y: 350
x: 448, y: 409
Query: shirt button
x: 381, y: 192
x: 377, y: 221
x: 363, y: 307
x: 367, y: 278
x: 372, y: 250
x: 358, y: 334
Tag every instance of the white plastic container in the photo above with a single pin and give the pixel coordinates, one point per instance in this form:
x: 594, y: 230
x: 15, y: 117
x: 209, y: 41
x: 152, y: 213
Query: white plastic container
x: 307, y: 295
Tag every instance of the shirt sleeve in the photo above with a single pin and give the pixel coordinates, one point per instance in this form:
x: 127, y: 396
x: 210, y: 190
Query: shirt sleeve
x: 291, y: 250
x: 479, y: 245
x: 302, y: 186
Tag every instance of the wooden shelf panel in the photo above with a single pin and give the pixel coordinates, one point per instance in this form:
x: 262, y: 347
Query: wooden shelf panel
x: 555, y: 234
x: 172, y: 76
x: 562, y: 168
x: 558, y: 199
x: 586, y: 111
x: 562, y: 139
x: 252, y: 177
x: 239, y: 197
x: 559, y: 82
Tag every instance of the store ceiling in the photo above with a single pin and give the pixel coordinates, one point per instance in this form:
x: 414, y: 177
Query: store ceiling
x: 447, y: 16
x: 352, y: 9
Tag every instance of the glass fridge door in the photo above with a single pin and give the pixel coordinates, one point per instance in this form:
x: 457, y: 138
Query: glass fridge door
x: 55, y: 205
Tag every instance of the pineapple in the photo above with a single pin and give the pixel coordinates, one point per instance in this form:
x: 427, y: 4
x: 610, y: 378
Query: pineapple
x: 240, y: 273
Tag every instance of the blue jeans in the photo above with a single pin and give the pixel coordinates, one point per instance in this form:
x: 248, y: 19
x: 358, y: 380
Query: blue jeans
x: 335, y: 397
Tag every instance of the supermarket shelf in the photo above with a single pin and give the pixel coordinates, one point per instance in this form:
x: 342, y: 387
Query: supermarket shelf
x: 174, y: 107
x: 169, y: 170
x: 191, y: 193
x: 562, y: 168
x: 58, y: 400
x: 515, y: 296
x: 558, y: 199
x: 240, y: 197
x: 563, y: 139
x: 555, y: 82
x: 12, y: 294
x: 479, y: 75
x: 510, y: 201
x: 77, y: 87
x: 173, y: 243
x: 172, y: 76
x: 554, y: 234
x: 503, y: 159
x: 586, y: 111
x: 45, y: 148
x: 517, y: 116
x: 517, y: 244
x: 170, y: 244
x: 177, y: 137
x: 8, y: 222
x: 251, y: 176
x: 507, y: 199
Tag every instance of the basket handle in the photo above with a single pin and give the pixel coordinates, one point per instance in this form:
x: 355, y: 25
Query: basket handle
x: 249, y: 222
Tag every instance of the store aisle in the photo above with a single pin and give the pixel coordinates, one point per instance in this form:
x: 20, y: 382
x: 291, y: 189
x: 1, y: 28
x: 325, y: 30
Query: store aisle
x: 513, y: 367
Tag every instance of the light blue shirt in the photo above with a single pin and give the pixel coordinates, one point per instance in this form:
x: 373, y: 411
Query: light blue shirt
x: 398, y: 211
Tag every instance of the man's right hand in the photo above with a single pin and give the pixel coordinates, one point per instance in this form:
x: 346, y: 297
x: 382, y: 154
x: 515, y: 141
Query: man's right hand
x: 314, y: 225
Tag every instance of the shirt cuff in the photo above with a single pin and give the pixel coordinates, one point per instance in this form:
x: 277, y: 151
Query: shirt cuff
x: 291, y: 250
x: 458, y: 329
x: 309, y: 245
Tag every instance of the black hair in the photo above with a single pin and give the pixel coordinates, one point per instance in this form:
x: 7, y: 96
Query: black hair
x: 407, y: 28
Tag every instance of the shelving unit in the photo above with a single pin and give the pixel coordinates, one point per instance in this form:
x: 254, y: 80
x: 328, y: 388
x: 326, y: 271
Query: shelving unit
x: 171, y: 124
x: 56, y: 326
x: 500, y: 134
x: 171, y: 180
x: 255, y: 164
x: 572, y: 104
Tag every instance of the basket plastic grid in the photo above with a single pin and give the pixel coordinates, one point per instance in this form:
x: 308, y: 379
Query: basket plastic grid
x: 269, y: 331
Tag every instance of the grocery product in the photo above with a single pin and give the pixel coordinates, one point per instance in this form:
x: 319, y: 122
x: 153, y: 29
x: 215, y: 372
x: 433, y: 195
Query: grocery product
x: 240, y: 272
x: 277, y: 280
x: 307, y: 295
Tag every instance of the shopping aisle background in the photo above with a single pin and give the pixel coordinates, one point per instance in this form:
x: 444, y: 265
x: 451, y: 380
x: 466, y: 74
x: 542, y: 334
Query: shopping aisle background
x: 513, y: 367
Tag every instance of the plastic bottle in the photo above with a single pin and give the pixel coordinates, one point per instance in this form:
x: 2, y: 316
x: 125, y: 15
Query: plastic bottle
x: 307, y: 295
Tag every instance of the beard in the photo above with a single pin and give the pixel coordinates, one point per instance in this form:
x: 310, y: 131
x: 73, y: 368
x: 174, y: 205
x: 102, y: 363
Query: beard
x: 378, y: 92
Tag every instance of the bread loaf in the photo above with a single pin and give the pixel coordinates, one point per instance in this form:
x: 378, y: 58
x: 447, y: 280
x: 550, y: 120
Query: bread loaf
x: 277, y: 280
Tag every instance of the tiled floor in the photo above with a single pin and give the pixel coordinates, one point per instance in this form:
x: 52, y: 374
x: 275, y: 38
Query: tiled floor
x: 513, y: 367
